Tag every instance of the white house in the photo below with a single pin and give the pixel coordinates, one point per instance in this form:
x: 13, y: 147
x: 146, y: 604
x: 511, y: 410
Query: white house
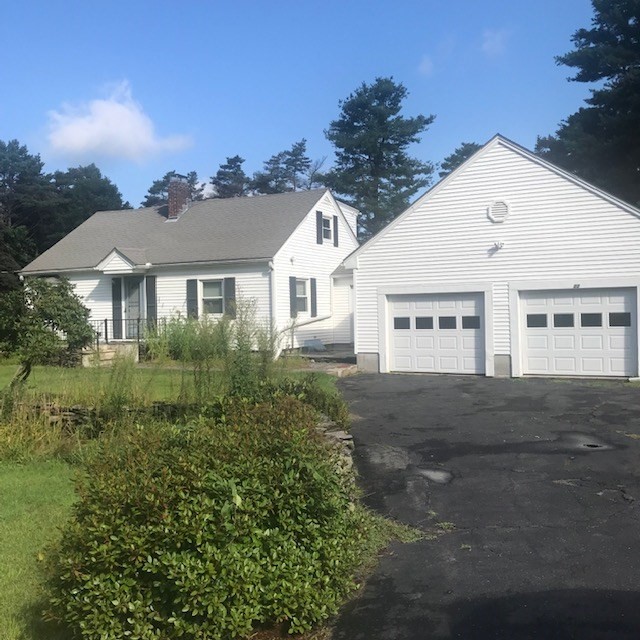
x: 136, y: 266
x: 508, y: 266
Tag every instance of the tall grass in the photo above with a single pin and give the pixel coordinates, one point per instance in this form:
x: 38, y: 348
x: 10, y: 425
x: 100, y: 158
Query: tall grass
x: 239, y: 353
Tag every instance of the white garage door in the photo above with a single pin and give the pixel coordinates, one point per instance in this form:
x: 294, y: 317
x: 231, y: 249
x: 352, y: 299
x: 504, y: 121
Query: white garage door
x: 441, y: 333
x: 584, y: 332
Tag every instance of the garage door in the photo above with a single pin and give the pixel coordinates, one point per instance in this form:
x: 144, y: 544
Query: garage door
x: 441, y: 333
x: 586, y: 332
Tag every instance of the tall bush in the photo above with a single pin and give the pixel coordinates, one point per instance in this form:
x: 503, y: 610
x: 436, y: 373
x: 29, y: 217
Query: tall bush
x: 209, y: 531
x: 52, y: 325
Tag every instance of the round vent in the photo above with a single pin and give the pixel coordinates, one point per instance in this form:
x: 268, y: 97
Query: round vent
x: 498, y: 211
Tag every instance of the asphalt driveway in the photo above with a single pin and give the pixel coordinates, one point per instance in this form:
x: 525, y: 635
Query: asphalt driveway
x: 530, y: 492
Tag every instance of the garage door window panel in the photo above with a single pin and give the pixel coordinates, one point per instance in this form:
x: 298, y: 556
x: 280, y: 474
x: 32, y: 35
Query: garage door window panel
x: 620, y: 319
x: 536, y: 320
x: 447, y: 322
x: 590, y: 319
x: 424, y: 322
x: 470, y: 322
x: 562, y: 320
x: 402, y: 323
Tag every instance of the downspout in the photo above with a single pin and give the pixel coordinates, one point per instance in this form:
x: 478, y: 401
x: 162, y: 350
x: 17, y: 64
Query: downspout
x: 272, y: 305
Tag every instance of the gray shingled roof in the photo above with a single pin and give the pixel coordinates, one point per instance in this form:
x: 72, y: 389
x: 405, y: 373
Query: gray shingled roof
x: 210, y: 230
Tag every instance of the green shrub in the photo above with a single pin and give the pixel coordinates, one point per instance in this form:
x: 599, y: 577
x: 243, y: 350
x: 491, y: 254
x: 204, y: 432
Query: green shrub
x: 310, y: 390
x: 209, y: 530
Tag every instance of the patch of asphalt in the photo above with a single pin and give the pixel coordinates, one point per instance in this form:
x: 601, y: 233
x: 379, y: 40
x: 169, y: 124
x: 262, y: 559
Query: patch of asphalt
x: 541, y: 529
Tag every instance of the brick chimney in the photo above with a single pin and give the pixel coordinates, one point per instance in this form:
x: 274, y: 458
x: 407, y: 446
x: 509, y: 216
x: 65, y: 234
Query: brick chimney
x: 178, y: 196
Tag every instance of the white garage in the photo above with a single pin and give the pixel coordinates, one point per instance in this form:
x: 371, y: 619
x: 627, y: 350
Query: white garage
x: 509, y: 266
x: 440, y: 333
x: 590, y: 332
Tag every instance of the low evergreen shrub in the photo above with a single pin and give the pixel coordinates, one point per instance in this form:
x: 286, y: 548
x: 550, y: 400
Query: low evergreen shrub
x: 210, y: 530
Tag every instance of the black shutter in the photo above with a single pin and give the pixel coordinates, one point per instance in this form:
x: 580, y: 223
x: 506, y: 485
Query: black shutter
x: 319, y: 227
x: 335, y: 231
x: 293, y: 298
x: 152, y: 303
x: 314, y: 299
x: 116, y: 305
x: 192, y: 298
x: 229, y: 292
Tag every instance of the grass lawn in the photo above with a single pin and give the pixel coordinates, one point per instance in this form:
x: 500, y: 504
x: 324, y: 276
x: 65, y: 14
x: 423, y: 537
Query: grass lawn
x: 35, y: 499
x: 153, y: 383
x: 148, y: 382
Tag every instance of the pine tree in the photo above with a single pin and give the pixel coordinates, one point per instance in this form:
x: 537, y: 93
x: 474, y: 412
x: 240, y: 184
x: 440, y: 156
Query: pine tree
x: 601, y: 141
x: 230, y: 180
x: 373, y: 169
x: 454, y: 160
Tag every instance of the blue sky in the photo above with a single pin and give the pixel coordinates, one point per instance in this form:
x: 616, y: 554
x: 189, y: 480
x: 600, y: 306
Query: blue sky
x: 143, y: 87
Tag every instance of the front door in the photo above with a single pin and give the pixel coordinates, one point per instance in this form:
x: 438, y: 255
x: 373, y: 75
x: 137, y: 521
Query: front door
x: 132, y: 306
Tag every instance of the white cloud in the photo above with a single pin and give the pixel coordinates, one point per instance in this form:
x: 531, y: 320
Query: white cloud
x: 426, y: 66
x: 111, y: 127
x: 494, y: 42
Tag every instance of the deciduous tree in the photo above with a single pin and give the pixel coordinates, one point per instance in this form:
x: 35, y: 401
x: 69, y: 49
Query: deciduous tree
x: 374, y: 171
x: 52, y: 323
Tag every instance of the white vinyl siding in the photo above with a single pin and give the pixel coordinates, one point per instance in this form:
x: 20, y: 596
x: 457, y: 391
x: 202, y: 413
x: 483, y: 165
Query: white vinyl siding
x: 116, y: 264
x: 303, y: 258
x: 556, y: 229
x: 95, y: 293
x: 252, y: 283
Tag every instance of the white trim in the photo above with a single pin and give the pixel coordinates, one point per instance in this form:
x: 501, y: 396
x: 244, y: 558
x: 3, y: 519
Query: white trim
x: 155, y: 266
x: 131, y: 267
x: 383, y: 293
x: 341, y: 212
x: 515, y: 311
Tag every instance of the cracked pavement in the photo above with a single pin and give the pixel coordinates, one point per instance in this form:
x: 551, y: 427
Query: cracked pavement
x: 533, y: 489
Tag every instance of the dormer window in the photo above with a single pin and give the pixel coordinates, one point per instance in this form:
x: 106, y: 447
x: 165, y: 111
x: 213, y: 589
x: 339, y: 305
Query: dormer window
x: 326, y: 228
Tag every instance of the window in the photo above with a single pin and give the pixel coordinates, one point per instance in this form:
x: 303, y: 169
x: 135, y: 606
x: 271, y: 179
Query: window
x: 402, y: 323
x: 591, y: 319
x: 563, y: 320
x: 536, y: 320
x: 425, y: 322
x: 212, y: 297
x: 620, y: 319
x: 326, y: 228
x: 470, y: 322
x: 447, y: 322
x: 301, y: 296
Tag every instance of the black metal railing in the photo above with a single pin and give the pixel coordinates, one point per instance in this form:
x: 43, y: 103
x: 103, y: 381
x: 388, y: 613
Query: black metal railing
x: 109, y: 330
